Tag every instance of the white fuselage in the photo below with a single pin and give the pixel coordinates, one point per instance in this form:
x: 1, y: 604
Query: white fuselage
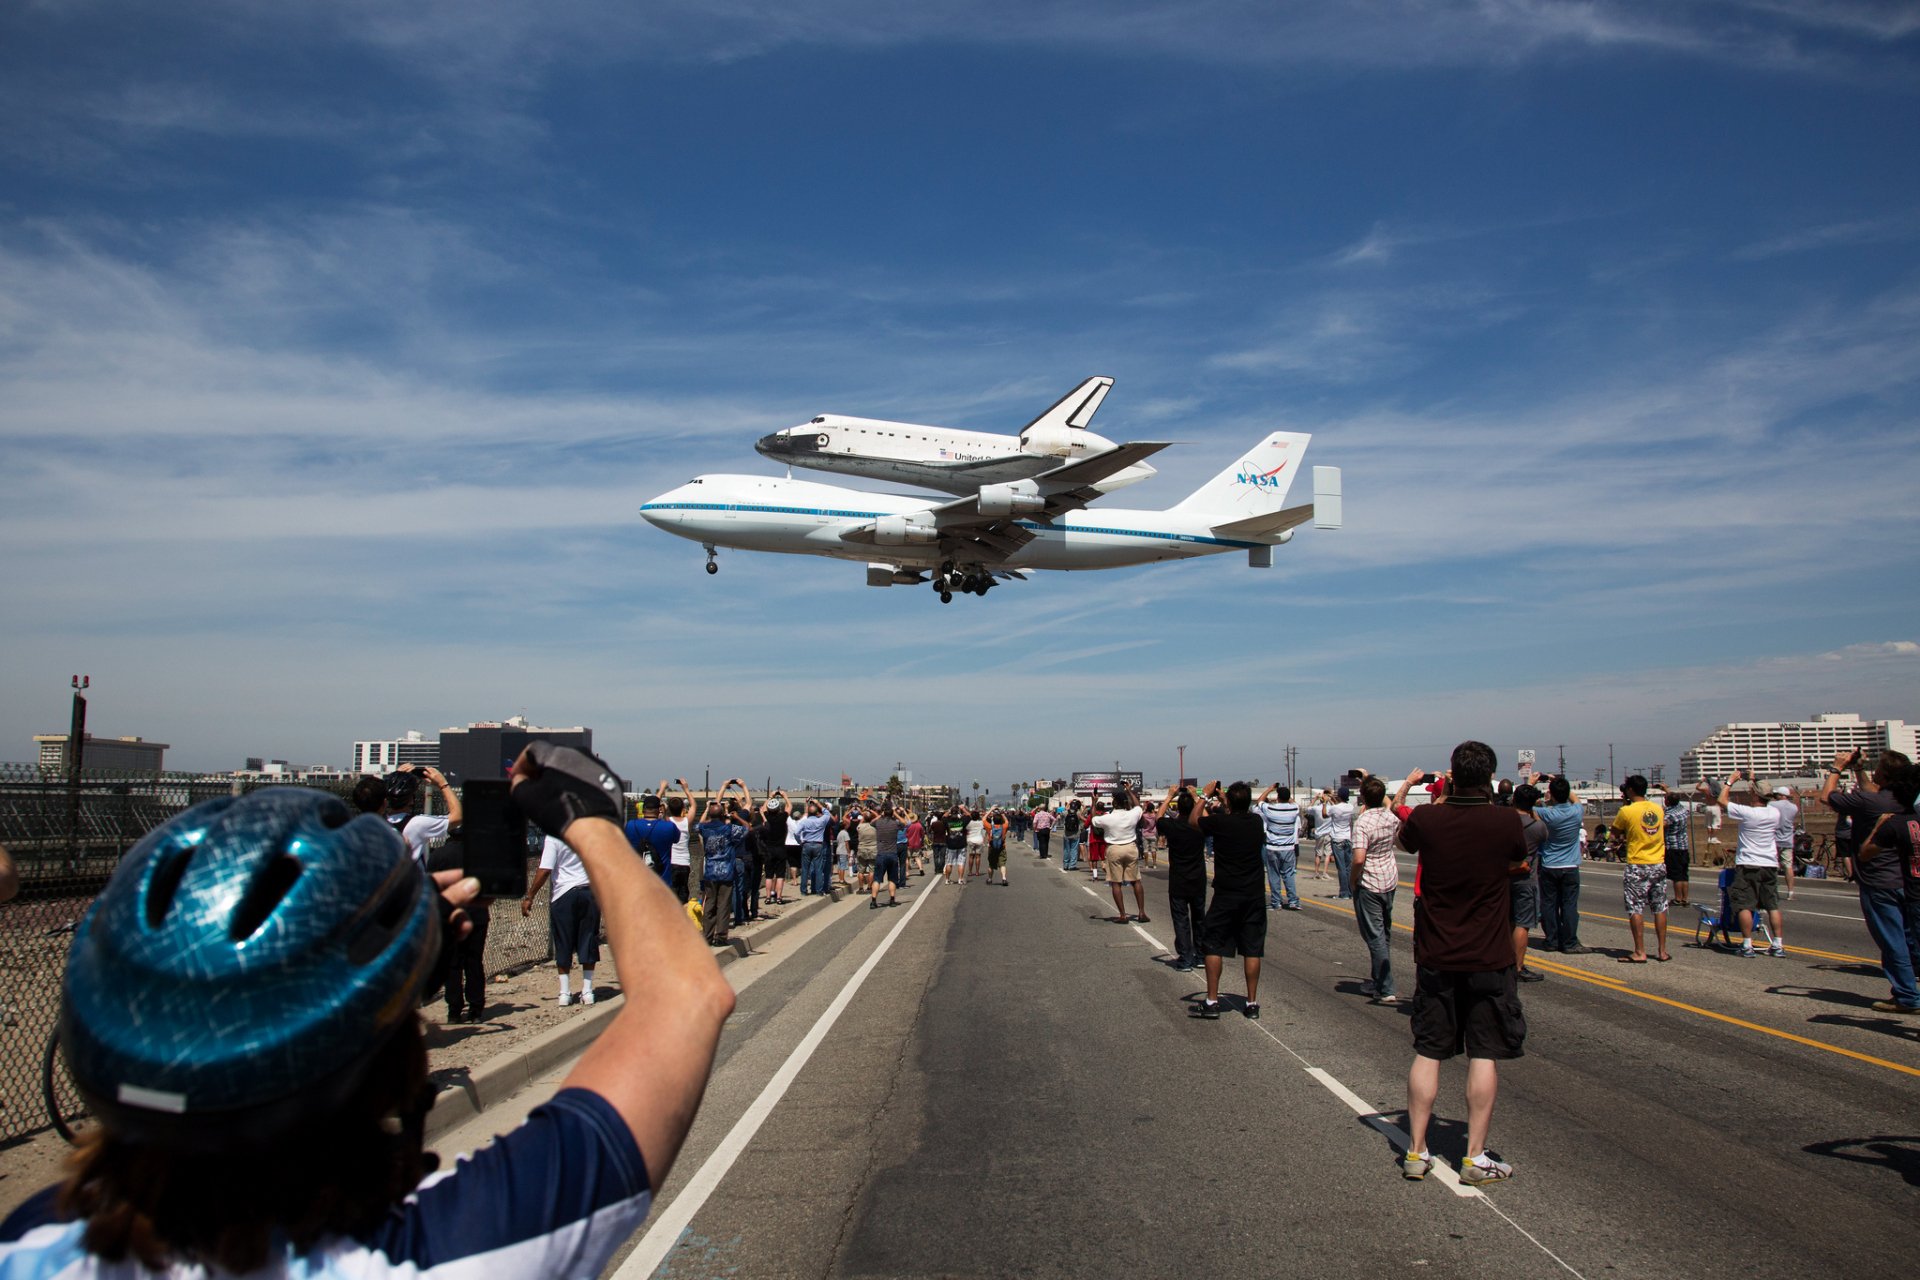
x: 956, y: 462
x: 764, y: 513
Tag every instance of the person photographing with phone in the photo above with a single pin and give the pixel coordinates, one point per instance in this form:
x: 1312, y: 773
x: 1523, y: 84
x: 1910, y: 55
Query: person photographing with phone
x: 1887, y: 891
x: 275, y: 1128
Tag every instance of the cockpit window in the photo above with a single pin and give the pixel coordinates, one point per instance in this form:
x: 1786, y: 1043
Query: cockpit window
x: 820, y: 419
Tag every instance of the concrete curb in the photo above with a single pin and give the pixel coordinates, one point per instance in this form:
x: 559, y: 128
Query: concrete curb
x: 505, y: 1074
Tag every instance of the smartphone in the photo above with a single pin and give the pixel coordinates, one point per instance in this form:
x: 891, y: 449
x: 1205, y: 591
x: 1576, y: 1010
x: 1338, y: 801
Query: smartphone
x: 496, y: 838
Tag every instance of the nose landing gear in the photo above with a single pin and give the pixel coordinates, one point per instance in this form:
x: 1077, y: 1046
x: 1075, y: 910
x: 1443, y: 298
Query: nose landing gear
x: 712, y: 565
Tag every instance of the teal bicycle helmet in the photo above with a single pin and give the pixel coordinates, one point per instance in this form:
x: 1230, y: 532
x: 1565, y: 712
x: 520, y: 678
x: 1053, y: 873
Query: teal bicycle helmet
x: 244, y: 964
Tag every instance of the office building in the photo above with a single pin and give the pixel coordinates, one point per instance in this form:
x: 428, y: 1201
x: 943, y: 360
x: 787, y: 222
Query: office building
x: 488, y: 748
x: 101, y: 755
x: 1792, y: 749
x: 386, y: 755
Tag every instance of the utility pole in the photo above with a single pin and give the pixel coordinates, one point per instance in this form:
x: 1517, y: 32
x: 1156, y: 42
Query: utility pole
x: 76, y: 750
x: 75, y: 753
x: 1181, y: 776
x: 1612, y: 778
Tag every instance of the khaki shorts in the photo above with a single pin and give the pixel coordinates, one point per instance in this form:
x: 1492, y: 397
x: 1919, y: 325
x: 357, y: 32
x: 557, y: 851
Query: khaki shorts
x: 1123, y: 864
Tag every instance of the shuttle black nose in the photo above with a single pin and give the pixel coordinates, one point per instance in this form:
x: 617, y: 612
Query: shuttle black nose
x: 787, y: 443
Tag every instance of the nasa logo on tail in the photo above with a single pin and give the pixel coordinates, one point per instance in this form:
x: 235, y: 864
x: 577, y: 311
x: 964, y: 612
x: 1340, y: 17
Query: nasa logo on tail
x: 1251, y: 474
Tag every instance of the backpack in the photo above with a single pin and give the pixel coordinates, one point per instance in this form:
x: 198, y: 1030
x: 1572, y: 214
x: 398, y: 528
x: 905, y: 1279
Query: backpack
x: 1071, y: 824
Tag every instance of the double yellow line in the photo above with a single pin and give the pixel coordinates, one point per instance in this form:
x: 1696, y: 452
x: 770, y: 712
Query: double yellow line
x: 1560, y: 969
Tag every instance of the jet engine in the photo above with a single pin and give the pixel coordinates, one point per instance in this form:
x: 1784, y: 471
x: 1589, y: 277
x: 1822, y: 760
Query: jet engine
x: 1009, y: 500
x: 900, y: 531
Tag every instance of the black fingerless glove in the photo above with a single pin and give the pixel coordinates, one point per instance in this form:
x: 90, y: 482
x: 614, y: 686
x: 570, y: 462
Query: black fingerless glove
x: 565, y: 785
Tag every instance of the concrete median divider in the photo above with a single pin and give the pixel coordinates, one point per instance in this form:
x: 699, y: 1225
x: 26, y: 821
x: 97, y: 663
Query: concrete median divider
x: 504, y: 1074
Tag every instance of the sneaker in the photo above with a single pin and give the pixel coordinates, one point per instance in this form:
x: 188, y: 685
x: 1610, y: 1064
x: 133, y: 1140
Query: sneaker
x: 1209, y: 1009
x: 1746, y: 951
x: 1253, y: 1010
x: 566, y: 998
x: 1415, y: 1165
x: 1777, y: 950
x: 1894, y: 1006
x: 1293, y: 906
x: 1390, y: 1001
x: 1484, y: 1168
x: 586, y: 997
x: 1532, y: 975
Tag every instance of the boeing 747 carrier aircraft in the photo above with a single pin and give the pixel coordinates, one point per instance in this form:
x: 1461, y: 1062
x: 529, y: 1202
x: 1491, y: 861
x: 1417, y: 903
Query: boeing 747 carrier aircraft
x: 1001, y: 531
x: 948, y: 460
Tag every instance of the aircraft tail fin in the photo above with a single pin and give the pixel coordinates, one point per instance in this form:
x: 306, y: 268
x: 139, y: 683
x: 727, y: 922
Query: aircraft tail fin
x: 1075, y: 409
x: 1253, y: 488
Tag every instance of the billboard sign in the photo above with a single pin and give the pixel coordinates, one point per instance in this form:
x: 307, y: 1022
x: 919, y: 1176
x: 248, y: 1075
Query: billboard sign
x: 1107, y: 780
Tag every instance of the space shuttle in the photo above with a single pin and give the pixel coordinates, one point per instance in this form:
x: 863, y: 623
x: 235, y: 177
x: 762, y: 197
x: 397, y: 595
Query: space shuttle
x: 956, y: 462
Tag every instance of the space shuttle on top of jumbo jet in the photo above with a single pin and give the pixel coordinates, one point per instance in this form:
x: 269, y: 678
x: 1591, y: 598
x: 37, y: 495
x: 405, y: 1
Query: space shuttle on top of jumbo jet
x: 957, y: 462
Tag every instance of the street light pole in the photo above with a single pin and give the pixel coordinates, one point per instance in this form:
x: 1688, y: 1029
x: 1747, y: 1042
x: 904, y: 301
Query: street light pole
x: 1182, y: 776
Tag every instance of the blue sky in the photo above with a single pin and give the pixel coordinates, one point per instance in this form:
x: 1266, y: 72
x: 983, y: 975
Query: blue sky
x: 340, y: 342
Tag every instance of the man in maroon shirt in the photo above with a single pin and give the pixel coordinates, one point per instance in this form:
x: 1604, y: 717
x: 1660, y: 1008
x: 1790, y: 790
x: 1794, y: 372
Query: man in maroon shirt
x: 1469, y: 850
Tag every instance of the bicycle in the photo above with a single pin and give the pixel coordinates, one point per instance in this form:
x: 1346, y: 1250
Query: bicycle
x: 65, y: 1108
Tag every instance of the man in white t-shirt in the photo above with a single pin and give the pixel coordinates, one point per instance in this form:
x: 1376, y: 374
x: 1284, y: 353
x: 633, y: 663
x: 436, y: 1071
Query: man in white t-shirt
x: 397, y: 796
x: 680, y: 860
x: 1119, y: 827
x: 1339, y: 819
x: 1782, y: 804
x: 573, y: 916
x: 1756, y: 866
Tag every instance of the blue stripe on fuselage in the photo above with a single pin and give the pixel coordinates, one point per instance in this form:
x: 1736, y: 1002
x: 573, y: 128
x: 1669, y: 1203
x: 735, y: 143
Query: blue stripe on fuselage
x: 766, y: 509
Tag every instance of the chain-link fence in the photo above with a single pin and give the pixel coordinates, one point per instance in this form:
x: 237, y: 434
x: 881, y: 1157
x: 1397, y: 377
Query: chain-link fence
x: 65, y: 841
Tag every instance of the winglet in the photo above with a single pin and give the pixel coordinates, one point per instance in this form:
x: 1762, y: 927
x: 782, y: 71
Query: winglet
x: 1326, y: 497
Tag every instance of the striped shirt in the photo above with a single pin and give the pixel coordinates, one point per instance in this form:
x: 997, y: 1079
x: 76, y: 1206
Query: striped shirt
x: 1374, y: 833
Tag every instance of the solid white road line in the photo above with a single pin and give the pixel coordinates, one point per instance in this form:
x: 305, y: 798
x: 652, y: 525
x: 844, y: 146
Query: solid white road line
x: 667, y: 1229
x: 1394, y: 1133
x: 1151, y: 940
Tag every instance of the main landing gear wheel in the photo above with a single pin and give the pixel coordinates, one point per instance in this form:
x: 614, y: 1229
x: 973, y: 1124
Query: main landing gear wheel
x: 712, y: 565
x: 946, y: 597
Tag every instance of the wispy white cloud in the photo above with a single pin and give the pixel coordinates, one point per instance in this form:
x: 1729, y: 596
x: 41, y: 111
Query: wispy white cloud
x: 1858, y: 231
x: 1875, y: 649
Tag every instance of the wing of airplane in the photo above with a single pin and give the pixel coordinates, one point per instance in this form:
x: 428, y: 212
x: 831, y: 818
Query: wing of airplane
x: 986, y: 526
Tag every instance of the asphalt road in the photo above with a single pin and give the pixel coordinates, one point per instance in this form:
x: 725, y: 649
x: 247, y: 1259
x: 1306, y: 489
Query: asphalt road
x: 1000, y: 1082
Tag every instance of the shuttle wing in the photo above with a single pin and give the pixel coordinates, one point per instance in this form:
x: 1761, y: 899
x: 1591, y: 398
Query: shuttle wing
x: 987, y: 525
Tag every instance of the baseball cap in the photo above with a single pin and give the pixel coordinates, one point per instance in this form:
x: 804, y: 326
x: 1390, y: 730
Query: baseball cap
x: 1783, y: 791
